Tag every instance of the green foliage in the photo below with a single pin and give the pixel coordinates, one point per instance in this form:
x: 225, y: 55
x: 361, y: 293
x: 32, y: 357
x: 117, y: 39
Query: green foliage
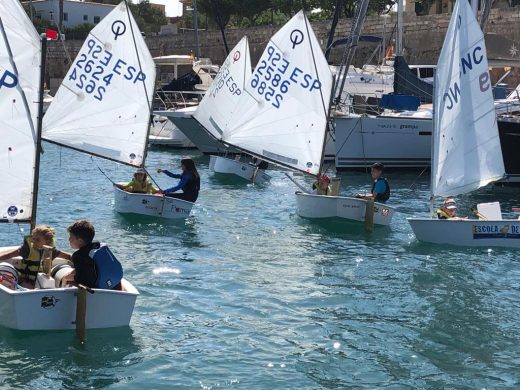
x: 148, y: 18
x: 246, y: 13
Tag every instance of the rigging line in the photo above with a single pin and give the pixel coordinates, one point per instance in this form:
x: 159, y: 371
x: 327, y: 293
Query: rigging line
x: 418, y: 177
x: 63, y: 44
x: 349, y: 134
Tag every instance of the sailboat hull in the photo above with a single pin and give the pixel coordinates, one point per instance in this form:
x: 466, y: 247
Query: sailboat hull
x: 320, y: 206
x: 243, y: 170
x: 151, y: 205
x: 55, y: 309
x: 471, y: 232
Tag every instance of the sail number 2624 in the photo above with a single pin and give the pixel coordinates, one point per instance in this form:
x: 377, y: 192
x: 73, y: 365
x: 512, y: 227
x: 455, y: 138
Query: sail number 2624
x: 95, y: 67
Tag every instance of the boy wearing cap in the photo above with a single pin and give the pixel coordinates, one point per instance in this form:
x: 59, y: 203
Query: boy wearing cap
x: 139, y: 183
x: 380, y: 188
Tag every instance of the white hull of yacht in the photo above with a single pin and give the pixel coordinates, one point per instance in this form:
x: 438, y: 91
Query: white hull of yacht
x: 244, y: 170
x: 321, y: 206
x: 470, y: 232
x: 397, y: 142
x: 151, y: 205
x: 195, y: 132
x: 164, y: 133
x: 55, y: 308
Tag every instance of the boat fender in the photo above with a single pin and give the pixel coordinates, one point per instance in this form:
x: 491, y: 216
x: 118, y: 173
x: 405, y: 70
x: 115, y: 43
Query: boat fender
x: 59, y: 271
x: 8, y: 275
x: 109, y: 269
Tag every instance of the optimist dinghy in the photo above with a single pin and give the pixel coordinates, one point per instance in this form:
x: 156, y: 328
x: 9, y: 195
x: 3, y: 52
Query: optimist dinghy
x: 218, y: 107
x: 22, y: 69
x: 466, y: 145
x: 282, y: 117
x: 103, y: 107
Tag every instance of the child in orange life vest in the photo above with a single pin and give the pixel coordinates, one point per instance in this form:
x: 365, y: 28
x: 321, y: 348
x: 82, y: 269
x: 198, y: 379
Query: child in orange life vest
x: 32, y: 254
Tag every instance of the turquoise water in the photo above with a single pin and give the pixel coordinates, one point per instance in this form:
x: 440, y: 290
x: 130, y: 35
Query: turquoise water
x: 245, y: 294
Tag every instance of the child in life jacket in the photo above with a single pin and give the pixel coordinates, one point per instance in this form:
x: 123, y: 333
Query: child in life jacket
x: 95, y: 266
x: 81, y: 236
x: 31, y: 252
x: 139, y: 183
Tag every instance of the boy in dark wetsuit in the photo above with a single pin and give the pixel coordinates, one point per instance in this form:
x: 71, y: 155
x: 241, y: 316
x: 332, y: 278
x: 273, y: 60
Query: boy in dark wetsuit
x: 81, y: 234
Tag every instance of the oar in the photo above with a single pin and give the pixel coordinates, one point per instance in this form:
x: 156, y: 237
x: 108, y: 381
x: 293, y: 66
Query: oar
x: 369, y: 216
x: 81, y: 311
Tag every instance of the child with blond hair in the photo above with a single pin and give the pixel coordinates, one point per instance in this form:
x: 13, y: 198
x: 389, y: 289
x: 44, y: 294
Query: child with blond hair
x: 31, y: 253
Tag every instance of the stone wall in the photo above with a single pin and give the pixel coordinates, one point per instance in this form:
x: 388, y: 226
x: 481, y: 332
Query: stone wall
x: 423, y: 38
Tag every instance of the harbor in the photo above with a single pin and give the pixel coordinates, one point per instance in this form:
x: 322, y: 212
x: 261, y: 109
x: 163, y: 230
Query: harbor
x: 272, y: 219
x: 245, y: 293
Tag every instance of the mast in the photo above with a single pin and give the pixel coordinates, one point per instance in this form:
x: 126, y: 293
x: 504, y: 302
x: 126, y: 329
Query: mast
x: 329, y: 126
x: 432, y: 152
x: 150, y: 107
x: 350, y: 49
x: 39, y: 131
x: 399, y: 43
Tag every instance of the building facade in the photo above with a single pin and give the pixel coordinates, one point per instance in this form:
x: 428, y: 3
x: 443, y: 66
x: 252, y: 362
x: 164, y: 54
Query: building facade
x: 75, y: 12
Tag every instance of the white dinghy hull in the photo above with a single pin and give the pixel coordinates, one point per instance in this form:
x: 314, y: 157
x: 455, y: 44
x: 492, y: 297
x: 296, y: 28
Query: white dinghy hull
x: 241, y: 169
x: 151, y: 205
x: 55, y: 309
x: 471, y: 232
x: 321, y: 206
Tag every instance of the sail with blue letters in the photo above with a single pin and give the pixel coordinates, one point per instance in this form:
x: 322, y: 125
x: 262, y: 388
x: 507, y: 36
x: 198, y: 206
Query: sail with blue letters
x: 466, y: 149
x: 103, y: 104
x: 20, y: 58
x: 216, y: 108
x: 283, y: 111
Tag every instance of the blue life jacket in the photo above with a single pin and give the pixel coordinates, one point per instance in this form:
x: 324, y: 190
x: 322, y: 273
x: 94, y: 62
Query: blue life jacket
x: 385, y: 195
x: 109, y: 269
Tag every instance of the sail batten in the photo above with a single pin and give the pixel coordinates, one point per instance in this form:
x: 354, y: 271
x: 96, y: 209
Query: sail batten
x: 103, y: 105
x: 466, y: 147
x: 20, y: 56
x: 282, y: 116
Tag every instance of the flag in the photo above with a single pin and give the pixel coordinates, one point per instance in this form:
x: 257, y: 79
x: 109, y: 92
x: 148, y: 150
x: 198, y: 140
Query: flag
x: 51, y: 34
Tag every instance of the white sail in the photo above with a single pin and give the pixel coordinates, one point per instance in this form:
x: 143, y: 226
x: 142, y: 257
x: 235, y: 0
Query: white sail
x: 219, y: 102
x: 282, y: 114
x: 103, y: 104
x: 467, y: 153
x: 20, y: 57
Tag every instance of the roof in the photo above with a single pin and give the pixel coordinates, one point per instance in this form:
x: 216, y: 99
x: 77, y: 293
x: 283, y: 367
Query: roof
x: 72, y: 1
